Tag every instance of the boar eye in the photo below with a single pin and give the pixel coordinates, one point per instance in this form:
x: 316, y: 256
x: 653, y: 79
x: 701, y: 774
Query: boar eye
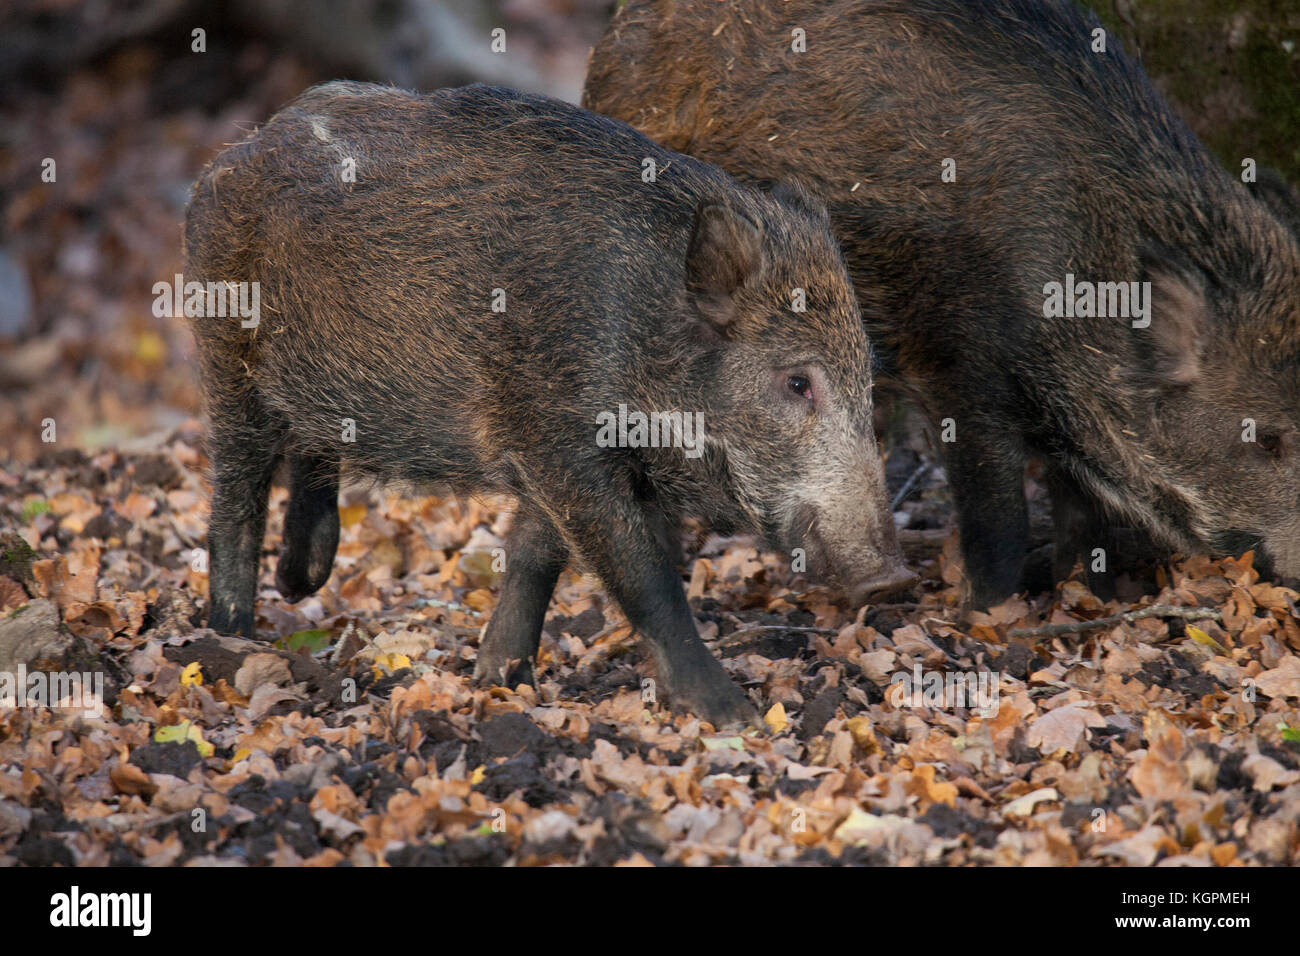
x: 801, y: 385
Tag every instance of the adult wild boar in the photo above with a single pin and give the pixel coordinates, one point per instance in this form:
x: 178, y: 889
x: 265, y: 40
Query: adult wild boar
x: 1042, y: 249
x: 466, y: 289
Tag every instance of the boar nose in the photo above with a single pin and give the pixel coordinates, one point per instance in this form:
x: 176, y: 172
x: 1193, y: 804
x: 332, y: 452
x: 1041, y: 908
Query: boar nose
x: 891, y: 581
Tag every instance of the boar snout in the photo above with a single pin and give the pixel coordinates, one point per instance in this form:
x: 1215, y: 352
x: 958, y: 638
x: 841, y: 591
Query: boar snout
x: 1281, y: 551
x: 860, y: 558
x: 892, y: 581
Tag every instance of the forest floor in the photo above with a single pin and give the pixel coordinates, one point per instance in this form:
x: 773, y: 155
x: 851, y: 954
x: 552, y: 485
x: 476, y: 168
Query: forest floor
x: 358, y: 735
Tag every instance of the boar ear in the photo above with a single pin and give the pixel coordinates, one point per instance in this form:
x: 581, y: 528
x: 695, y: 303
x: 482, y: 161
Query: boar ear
x: 1179, y: 316
x: 726, y: 250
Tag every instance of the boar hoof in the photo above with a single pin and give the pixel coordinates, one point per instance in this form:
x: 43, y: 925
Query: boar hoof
x: 293, y: 593
x: 725, y: 706
x: 493, y: 671
x: 296, y: 579
x: 232, y: 623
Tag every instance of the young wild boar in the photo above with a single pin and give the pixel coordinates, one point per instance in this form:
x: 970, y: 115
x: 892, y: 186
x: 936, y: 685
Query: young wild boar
x: 1042, y: 250
x: 467, y: 289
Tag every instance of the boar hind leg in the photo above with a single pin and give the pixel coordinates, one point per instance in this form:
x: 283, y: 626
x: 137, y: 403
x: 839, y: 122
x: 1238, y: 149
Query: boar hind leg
x: 311, y: 526
x: 244, y: 442
x: 988, y: 485
x: 535, y: 556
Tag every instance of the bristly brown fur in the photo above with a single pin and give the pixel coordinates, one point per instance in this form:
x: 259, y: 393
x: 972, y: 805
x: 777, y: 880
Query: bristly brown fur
x: 1067, y: 161
x: 670, y: 295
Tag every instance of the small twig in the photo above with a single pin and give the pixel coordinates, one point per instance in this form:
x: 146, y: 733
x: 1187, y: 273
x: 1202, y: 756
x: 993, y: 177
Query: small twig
x: 743, y: 625
x: 738, y: 636
x: 600, y: 635
x: 909, y: 486
x: 336, y: 652
x: 901, y: 606
x: 1128, y: 617
x: 594, y: 650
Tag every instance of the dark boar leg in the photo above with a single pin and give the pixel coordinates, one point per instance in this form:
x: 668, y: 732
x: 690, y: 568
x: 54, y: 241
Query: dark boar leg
x: 535, y: 556
x: 630, y: 553
x: 311, y: 526
x: 987, y: 476
x: 1080, y: 528
x: 245, y: 446
x: 1072, y: 525
x: 652, y: 598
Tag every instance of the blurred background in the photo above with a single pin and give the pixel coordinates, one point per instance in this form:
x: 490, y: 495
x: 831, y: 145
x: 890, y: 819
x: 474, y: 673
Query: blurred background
x: 116, y: 94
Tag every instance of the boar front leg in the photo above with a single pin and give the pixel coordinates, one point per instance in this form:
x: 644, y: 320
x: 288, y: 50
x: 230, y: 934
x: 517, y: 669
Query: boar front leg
x: 630, y: 551
x: 535, y: 556
x: 244, y: 443
x: 1109, y: 549
x: 1072, y: 524
x: 987, y: 474
x: 1080, y: 528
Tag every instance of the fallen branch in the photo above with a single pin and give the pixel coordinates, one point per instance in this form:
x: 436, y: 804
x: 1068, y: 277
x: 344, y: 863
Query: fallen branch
x: 1128, y: 617
x: 782, y: 627
x: 909, y: 486
x: 921, y: 545
x: 739, y: 635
